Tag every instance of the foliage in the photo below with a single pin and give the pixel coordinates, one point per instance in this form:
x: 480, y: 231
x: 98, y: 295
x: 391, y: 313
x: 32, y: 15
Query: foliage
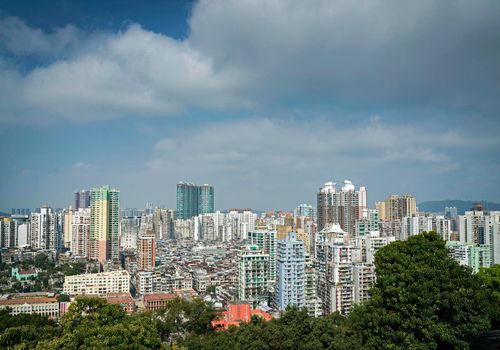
x: 24, y: 331
x: 182, y: 317
x: 423, y: 299
x: 491, y: 282
x: 92, y: 323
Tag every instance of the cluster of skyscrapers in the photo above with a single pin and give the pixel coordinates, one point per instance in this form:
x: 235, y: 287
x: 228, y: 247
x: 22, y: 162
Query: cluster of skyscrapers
x: 319, y: 258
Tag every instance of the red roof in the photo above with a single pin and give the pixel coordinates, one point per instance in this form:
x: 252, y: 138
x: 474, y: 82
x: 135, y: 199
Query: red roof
x: 239, y: 313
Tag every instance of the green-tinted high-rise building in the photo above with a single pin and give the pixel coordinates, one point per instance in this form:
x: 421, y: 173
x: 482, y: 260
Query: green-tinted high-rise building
x: 205, y: 199
x: 193, y: 200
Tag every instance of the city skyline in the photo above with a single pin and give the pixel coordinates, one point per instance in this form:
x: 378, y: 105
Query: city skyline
x: 397, y: 97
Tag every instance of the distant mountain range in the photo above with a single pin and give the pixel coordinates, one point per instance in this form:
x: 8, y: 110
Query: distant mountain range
x: 4, y: 214
x: 462, y: 206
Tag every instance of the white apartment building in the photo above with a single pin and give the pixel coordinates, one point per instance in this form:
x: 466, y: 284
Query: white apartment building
x: 97, y: 283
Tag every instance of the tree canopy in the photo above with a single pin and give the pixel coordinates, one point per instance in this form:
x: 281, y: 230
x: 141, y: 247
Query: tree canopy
x: 422, y: 299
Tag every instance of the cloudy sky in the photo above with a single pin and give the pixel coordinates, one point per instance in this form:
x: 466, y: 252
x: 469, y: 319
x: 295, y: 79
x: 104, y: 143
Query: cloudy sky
x: 266, y: 100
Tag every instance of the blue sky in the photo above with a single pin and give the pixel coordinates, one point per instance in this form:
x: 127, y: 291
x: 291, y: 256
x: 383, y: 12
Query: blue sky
x: 266, y: 100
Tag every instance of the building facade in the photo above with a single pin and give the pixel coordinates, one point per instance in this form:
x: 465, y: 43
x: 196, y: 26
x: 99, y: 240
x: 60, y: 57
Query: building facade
x: 104, y: 224
x: 343, y: 207
x: 290, y: 273
x: 97, y: 283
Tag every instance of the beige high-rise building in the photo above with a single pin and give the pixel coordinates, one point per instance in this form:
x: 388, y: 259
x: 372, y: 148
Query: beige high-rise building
x: 380, y: 207
x: 104, y: 223
x: 397, y: 207
x: 68, y: 220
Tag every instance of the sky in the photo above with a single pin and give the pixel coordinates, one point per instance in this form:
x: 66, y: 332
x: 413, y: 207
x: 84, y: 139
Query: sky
x: 265, y: 100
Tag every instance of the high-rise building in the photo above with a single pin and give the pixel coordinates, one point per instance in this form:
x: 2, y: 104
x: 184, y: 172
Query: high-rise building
x: 80, y: 232
x: 367, y: 224
x: 304, y: 210
x: 290, y: 273
x: 82, y: 199
x: 253, y: 275
x: 67, y: 227
x: 334, y: 268
x: 104, y: 223
x: 205, y: 199
x: 193, y: 200
x: 342, y: 207
x: 266, y: 240
x: 472, y: 228
x: 130, y: 226
x: 147, y: 250
x: 380, y: 208
x: 397, y: 207
x: 187, y: 200
x: 8, y: 237
x: 45, y: 229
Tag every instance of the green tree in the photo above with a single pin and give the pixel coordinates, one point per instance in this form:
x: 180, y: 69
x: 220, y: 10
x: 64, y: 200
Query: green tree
x: 92, y: 323
x: 491, y: 281
x: 181, y: 317
x: 24, y: 331
x: 422, y: 299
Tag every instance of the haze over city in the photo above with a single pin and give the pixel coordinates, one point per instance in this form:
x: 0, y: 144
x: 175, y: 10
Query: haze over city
x: 264, y: 100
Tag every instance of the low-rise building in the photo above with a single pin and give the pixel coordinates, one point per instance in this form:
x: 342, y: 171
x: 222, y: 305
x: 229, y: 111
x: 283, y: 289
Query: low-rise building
x: 124, y: 300
x: 24, y: 275
x: 155, y: 301
x: 32, y: 303
x: 236, y: 314
x: 97, y: 283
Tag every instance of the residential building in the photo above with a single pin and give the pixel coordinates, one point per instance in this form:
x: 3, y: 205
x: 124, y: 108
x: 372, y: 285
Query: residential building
x: 397, y: 207
x: 147, y: 250
x: 305, y: 210
x: 342, y: 207
x: 80, y: 233
x: 334, y: 267
x: 67, y: 228
x: 473, y: 255
x: 82, y: 199
x: 253, y: 274
x: 367, y: 224
x: 104, y: 224
x: 130, y: 226
x: 266, y: 240
x: 45, y: 229
x: 8, y: 237
x: 380, y: 208
x: 363, y: 276
x: 97, y: 283
x: 290, y: 273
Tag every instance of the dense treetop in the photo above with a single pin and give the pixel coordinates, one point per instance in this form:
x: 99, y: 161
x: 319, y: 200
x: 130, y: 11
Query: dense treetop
x: 422, y: 299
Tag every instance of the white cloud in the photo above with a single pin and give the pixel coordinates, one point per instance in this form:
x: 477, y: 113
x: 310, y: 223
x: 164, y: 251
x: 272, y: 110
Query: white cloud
x: 20, y: 39
x: 248, y: 54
